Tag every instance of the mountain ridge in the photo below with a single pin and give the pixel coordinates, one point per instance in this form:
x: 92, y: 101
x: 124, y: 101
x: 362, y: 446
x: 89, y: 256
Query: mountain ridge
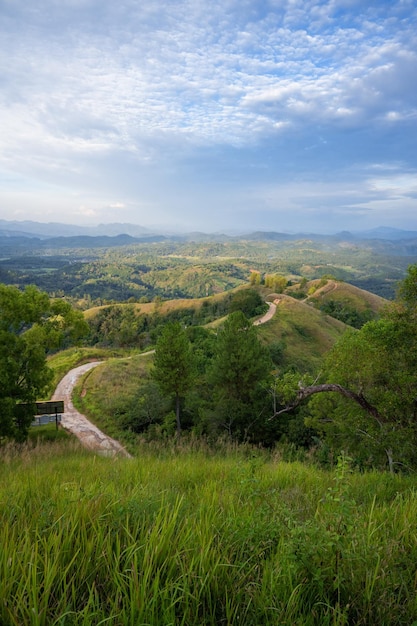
x: 52, y: 230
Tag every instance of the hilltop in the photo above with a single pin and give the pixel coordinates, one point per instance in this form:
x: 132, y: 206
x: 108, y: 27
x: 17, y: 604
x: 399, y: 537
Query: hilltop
x: 362, y: 300
x: 300, y: 332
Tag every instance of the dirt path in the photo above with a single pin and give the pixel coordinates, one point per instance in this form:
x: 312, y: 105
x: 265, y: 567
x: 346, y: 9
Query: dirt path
x: 330, y: 286
x: 268, y: 315
x: 89, y: 435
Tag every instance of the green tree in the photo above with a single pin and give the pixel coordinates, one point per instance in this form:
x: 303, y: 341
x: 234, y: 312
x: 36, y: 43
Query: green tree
x: 240, y: 372
x: 276, y: 282
x: 147, y: 408
x: 174, y: 369
x: 30, y: 325
x: 372, y: 375
x: 255, y: 277
x: 248, y: 301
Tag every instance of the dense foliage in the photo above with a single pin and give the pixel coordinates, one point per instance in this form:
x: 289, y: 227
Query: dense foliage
x: 30, y: 325
x: 368, y: 406
x: 346, y: 313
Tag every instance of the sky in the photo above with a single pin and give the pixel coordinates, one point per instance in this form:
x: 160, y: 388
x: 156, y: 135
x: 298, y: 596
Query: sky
x: 210, y: 115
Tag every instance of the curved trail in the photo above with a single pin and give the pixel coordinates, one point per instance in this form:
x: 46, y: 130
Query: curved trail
x: 268, y: 315
x: 90, y: 436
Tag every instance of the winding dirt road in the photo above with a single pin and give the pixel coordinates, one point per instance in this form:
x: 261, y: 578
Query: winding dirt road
x: 90, y: 436
x: 268, y: 315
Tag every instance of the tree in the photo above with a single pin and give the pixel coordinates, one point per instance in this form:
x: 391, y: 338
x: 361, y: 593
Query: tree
x: 373, y: 373
x: 148, y: 407
x: 30, y: 325
x: 174, y: 369
x: 248, y: 301
x: 276, y: 282
x: 239, y: 374
x: 255, y: 277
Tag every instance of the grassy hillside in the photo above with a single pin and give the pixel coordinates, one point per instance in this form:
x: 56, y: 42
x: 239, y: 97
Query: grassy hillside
x: 298, y: 329
x: 191, y: 536
x: 304, y: 333
x: 163, y: 307
x: 345, y: 293
x: 110, y: 390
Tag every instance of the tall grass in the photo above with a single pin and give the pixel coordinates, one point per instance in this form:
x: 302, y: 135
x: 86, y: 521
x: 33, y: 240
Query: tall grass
x: 188, y: 537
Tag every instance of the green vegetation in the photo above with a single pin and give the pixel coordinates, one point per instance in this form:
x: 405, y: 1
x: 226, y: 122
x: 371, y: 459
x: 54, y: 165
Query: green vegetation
x: 239, y: 373
x: 174, y: 367
x: 114, y: 396
x: 30, y: 325
x: 48, y: 433
x: 345, y: 302
x: 370, y: 386
x: 373, y: 419
x: 187, y: 535
x: 206, y: 528
x: 303, y: 333
x: 62, y: 362
x: 134, y: 325
x: 185, y: 269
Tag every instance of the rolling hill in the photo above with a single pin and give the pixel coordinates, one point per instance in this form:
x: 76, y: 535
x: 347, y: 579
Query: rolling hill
x: 299, y: 333
x: 345, y: 293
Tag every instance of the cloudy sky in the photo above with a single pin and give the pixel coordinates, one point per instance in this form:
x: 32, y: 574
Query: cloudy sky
x: 216, y: 115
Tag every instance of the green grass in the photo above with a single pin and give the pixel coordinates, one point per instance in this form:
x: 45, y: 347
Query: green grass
x: 110, y: 387
x: 48, y: 432
x: 65, y: 360
x: 306, y: 333
x: 192, y: 536
x: 358, y: 299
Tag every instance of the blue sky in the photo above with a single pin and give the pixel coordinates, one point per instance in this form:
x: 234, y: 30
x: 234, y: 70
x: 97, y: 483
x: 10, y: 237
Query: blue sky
x: 220, y: 115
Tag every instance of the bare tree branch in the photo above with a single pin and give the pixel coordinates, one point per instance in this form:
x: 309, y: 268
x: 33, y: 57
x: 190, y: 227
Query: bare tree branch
x: 306, y: 392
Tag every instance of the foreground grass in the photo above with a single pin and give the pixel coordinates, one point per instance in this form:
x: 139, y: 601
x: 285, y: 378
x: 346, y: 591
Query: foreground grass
x: 195, y: 537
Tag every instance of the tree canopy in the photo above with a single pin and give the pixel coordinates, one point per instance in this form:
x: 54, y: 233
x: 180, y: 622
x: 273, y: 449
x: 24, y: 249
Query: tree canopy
x: 174, y: 367
x: 240, y: 374
x: 31, y: 324
x: 372, y: 376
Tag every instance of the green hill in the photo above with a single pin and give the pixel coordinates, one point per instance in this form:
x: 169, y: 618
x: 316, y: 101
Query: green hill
x: 345, y: 293
x: 300, y: 333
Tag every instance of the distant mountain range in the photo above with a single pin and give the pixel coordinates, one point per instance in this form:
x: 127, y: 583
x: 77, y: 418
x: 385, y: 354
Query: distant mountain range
x: 55, y: 229
x: 122, y: 234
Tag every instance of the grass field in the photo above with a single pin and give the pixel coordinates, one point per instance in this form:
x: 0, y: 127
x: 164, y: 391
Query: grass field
x: 186, y: 535
x: 305, y: 333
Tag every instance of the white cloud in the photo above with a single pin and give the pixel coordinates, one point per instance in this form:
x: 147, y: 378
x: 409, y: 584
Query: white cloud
x: 399, y: 185
x: 92, y: 87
